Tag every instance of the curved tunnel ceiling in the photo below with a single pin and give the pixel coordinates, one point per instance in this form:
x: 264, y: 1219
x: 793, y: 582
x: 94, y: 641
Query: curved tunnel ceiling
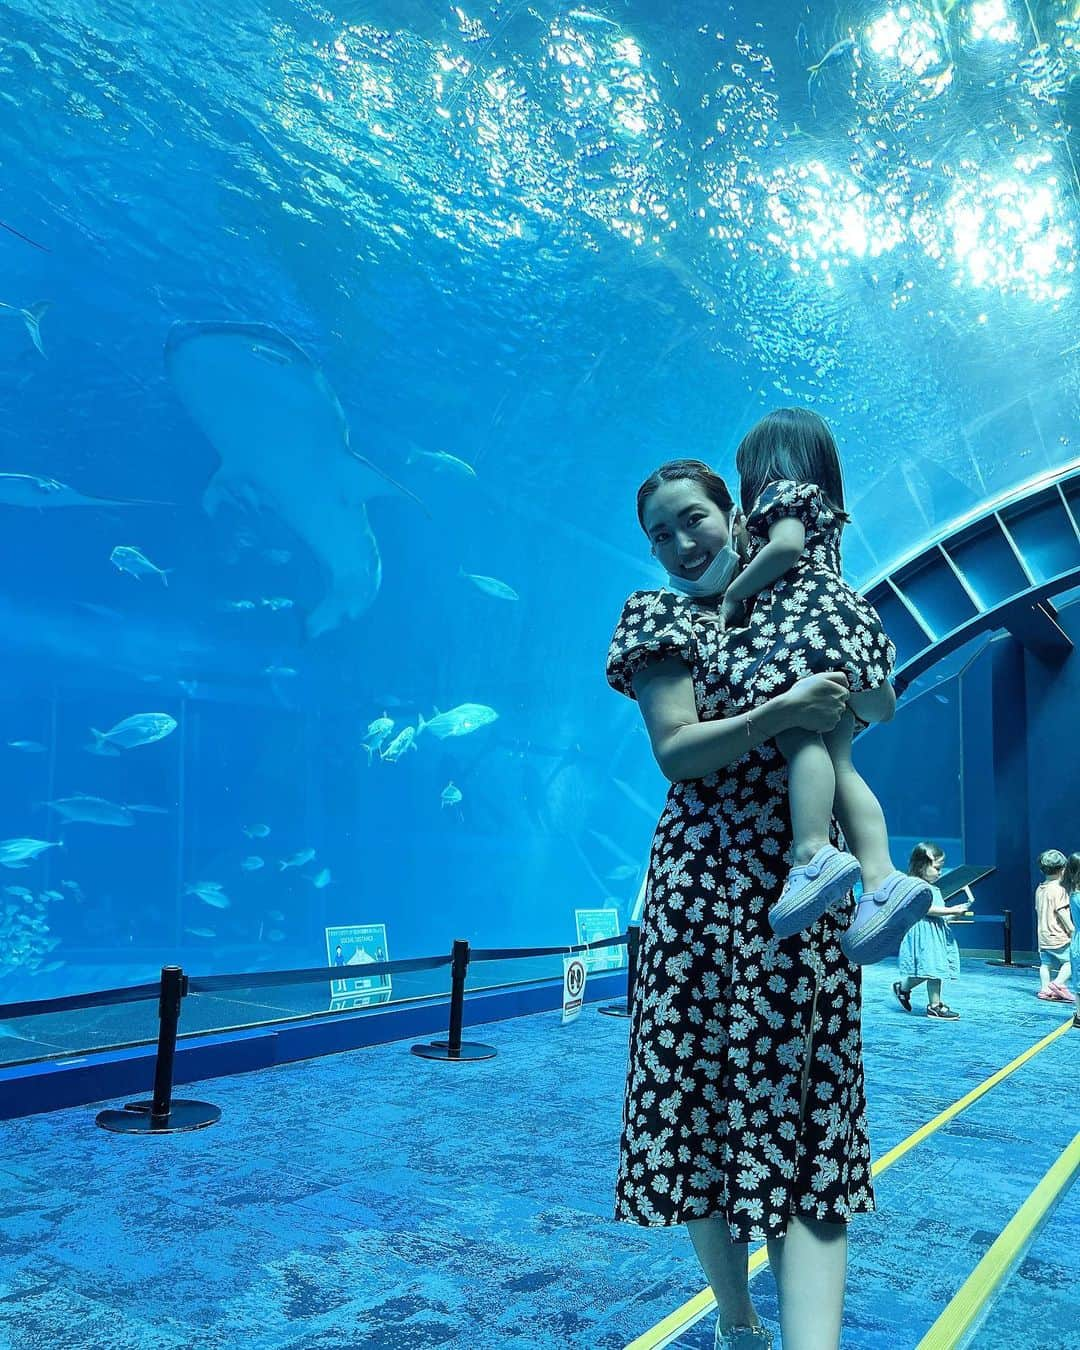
x: 566, y: 241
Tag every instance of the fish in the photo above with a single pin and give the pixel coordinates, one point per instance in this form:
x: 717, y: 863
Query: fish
x: 450, y: 795
x: 459, y: 721
x: 404, y: 740
x: 51, y: 895
x: 239, y: 604
x: 377, y: 733
x: 91, y: 811
x: 280, y: 672
x: 837, y: 50
x: 276, y: 603
x: 297, y: 860
x: 127, y: 558
x: 139, y: 729
x: 440, y: 460
x: 31, y: 316
x: 20, y: 892
x: 283, y: 439
x: 256, y: 831
x: 28, y: 747
x: 321, y: 879
x: 490, y: 586
x: 209, y: 892
x: 623, y: 872
x: 252, y: 864
x: 18, y: 852
x: 24, y: 489
x: 201, y: 932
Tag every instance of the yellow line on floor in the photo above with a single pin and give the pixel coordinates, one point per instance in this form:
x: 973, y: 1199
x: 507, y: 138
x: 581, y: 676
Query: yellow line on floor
x: 965, y: 1310
x: 665, y: 1331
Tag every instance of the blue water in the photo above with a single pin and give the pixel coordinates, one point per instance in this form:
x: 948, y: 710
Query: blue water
x: 559, y: 244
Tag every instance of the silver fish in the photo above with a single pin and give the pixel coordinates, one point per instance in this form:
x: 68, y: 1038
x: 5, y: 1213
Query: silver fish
x: 28, y: 747
x: 209, y: 892
x: 404, y: 740
x: 276, y: 602
x: 127, y: 558
x: 31, y: 316
x: 297, y: 860
x: 439, y: 459
x: 91, y: 811
x: 256, y: 831
x: 321, y: 879
x: 252, y: 864
x: 140, y: 729
x: 491, y: 586
x: 201, y: 932
x: 459, y: 721
x: 18, y: 852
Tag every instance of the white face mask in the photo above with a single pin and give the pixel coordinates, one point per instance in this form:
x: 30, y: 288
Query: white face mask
x: 714, y: 580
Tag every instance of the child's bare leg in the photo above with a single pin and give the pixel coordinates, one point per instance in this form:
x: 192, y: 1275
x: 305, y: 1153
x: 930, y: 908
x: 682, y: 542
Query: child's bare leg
x: 811, y: 788
x: 933, y: 993
x: 1044, y: 976
x: 910, y: 982
x: 857, y: 809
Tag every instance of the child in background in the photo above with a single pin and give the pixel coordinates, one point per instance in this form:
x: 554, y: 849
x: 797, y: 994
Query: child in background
x: 929, y: 951
x: 1071, y: 882
x: 1055, y: 928
x: 792, y: 489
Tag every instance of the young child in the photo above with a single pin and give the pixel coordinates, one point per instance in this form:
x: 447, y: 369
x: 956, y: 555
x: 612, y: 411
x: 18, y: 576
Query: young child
x: 792, y: 491
x: 1072, y: 885
x: 1055, y: 929
x: 929, y: 951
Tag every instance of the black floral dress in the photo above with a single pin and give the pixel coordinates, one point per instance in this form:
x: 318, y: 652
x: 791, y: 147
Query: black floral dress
x: 744, y: 1091
x: 809, y: 620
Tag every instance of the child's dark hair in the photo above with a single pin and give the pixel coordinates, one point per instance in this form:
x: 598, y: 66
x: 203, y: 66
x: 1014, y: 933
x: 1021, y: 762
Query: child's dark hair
x: 1071, y: 879
x: 790, y: 444
x: 697, y: 471
x: 1051, y: 860
x: 922, y: 856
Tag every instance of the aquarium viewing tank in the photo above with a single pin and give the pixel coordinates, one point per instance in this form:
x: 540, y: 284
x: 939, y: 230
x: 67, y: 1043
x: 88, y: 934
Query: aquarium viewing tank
x: 336, y: 341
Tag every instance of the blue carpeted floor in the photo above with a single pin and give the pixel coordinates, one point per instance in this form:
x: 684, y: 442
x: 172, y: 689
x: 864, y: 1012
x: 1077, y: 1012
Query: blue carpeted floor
x: 377, y: 1200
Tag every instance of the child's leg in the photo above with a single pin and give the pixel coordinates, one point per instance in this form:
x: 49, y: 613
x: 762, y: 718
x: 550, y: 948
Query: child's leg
x: 811, y: 787
x: 933, y: 992
x: 1064, y: 972
x: 910, y: 982
x: 1044, y: 975
x: 857, y: 809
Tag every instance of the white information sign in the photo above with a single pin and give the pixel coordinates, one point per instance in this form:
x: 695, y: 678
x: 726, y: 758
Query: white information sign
x: 351, y: 947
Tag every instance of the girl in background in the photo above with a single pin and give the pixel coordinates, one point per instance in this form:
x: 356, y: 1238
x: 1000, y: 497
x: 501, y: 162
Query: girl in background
x: 929, y: 951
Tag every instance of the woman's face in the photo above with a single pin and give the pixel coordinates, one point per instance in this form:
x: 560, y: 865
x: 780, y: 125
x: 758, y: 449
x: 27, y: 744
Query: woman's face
x: 686, y: 529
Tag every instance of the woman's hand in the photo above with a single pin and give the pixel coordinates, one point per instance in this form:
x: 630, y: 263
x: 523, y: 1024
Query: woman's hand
x: 817, y: 702
x: 732, y: 614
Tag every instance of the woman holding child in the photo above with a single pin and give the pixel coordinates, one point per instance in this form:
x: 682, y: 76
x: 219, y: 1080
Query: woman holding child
x: 744, y: 1109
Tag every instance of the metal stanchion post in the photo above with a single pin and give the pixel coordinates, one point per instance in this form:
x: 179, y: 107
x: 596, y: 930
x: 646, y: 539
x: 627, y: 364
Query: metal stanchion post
x: 454, y: 1048
x: 633, y: 941
x: 162, y: 1115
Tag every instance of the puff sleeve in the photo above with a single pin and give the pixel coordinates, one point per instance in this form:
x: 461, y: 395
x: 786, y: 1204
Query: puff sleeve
x: 804, y: 501
x: 653, y: 625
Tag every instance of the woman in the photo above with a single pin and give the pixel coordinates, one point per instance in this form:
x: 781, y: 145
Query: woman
x: 744, y: 1109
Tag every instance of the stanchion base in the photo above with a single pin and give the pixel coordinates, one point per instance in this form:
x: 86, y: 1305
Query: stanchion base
x: 135, y: 1118
x: 441, y: 1050
x: 615, y: 1010
x: 1014, y: 965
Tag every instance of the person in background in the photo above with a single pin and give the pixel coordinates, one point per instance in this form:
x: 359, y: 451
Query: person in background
x: 1071, y: 882
x: 929, y: 951
x: 1055, y: 929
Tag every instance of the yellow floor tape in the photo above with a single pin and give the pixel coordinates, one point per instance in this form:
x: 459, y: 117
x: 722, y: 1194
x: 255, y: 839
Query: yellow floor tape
x: 694, y: 1309
x: 965, y: 1310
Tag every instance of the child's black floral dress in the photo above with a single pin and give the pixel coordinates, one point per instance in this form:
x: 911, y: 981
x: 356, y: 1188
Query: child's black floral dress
x: 744, y: 1090
x: 809, y: 620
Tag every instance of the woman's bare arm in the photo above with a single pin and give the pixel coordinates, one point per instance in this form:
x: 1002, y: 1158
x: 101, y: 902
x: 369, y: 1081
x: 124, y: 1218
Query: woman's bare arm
x: 686, y: 748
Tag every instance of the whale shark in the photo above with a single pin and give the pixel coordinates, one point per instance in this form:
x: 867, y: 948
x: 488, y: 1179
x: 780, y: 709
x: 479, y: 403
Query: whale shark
x: 283, y: 440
